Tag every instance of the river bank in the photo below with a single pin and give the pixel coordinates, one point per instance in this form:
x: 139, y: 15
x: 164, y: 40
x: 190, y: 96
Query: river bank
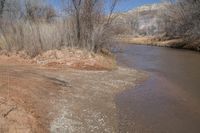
x: 66, y: 57
x: 154, y: 41
x: 44, y: 99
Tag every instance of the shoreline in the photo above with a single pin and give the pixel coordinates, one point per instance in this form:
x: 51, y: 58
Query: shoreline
x: 60, y: 100
x: 153, y: 41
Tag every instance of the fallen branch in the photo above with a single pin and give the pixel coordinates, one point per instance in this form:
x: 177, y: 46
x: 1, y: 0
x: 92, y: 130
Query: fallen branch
x: 10, y: 110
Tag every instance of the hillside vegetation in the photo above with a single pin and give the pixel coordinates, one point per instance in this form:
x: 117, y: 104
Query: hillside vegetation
x: 161, y: 24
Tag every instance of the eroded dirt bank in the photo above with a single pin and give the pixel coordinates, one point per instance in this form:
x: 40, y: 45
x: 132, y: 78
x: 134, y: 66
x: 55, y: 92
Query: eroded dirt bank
x: 179, y: 43
x: 42, y: 100
x: 67, y: 57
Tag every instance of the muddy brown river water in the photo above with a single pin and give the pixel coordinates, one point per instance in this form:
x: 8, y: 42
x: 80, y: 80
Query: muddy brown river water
x: 169, y: 100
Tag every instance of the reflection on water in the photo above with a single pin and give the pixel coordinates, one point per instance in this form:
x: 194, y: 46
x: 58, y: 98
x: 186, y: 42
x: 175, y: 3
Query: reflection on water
x: 168, y: 102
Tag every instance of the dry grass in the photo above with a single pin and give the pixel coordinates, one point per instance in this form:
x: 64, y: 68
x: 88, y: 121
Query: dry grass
x: 153, y: 41
x: 37, y: 37
x: 76, y: 58
x: 68, y: 57
x: 53, y: 45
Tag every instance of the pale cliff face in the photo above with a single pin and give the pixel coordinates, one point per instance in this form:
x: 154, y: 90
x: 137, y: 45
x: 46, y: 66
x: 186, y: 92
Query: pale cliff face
x: 148, y: 8
x: 144, y: 20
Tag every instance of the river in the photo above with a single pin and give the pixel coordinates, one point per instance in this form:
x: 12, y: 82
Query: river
x: 169, y: 100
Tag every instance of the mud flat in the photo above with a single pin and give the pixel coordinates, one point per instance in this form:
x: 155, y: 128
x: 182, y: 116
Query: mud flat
x: 42, y: 99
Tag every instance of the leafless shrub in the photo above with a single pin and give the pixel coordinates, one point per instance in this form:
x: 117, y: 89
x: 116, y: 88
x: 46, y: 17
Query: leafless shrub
x: 35, y: 37
x: 185, y: 16
x: 92, y: 27
x: 85, y: 26
x: 183, y: 21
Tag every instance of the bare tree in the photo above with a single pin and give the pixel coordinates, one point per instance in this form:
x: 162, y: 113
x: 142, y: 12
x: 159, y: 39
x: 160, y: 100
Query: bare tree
x: 87, y: 16
x: 183, y: 21
x: 186, y: 15
x: 49, y: 13
x: 85, y: 25
x: 77, y: 6
x: 2, y: 4
x: 112, y: 8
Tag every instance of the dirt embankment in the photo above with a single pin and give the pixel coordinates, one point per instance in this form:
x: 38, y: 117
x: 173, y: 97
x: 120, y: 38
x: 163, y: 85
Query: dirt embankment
x: 161, y: 42
x: 34, y: 97
x: 73, y: 58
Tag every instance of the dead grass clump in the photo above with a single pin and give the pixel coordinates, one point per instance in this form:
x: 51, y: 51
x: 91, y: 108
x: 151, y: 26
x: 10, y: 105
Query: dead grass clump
x: 77, y: 59
x: 68, y: 57
x: 153, y: 41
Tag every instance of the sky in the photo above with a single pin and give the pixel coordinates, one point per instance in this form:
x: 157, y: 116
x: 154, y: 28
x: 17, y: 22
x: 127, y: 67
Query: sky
x: 123, y: 5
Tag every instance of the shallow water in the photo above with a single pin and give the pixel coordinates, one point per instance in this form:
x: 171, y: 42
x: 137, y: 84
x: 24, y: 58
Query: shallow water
x: 167, y: 102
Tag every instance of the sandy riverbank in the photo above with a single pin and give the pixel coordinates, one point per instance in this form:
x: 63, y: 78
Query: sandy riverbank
x: 42, y: 99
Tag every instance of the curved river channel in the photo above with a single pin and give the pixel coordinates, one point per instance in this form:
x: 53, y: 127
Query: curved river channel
x: 169, y: 100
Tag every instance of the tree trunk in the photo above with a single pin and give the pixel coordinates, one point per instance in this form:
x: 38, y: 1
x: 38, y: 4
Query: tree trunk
x: 2, y: 4
x: 78, y: 27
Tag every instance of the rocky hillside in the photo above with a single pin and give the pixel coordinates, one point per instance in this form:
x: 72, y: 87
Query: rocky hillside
x: 144, y: 20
